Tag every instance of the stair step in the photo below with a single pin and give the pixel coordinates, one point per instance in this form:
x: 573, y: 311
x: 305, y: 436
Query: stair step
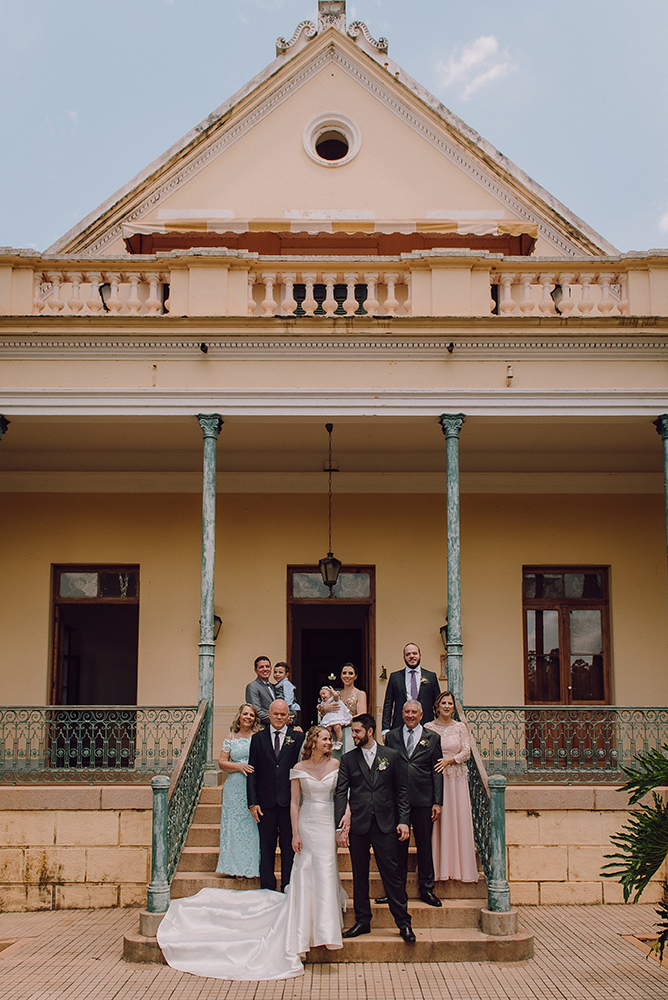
x: 433, y: 945
x: 211, y: 795
x: 207, y: 813
x: 204, y: 835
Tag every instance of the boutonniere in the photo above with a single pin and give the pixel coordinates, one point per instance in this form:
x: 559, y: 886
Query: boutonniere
x: 424, y: 680
x: 288, y: 740
x: 382, y: 763
x: 424, y: 742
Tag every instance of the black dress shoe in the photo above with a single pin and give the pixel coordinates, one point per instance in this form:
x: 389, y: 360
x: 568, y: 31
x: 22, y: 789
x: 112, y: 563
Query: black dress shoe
x: 381, y: 900
x: 356, y: 930
x: 427, y: 896
x: 407, y: 934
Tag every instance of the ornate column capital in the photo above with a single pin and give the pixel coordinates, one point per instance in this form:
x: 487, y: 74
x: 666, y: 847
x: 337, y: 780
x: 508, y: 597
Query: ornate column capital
x: 661, y: 424
x: 211, y: 424
x: 451, y: 423
x: 4, y: 424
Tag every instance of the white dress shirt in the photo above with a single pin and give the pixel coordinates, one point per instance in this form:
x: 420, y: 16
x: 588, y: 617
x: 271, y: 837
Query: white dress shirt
x: 370, y: 754
x: 282, y: 733
x: 418, y: 680
x: 416, y: 738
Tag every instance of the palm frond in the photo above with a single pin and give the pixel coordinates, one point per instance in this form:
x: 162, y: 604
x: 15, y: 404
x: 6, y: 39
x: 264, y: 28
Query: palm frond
x: 649, y: 771
x: 643, y: 846
x: 662, y: 913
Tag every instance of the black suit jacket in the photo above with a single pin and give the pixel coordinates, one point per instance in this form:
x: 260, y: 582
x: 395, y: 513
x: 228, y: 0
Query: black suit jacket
x: 425, y: 784
x: 268, y: 785
x: 395, y: 698
x: 380, y: 793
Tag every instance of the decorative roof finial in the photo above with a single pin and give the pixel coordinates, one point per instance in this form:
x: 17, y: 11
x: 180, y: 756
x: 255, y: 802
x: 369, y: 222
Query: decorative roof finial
x: 332, y: 13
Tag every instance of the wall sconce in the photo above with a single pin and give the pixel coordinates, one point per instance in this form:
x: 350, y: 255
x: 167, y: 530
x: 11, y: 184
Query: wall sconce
x: 444, y: 635
x: 330, y: 567
x: 509, y: 375
x: 383, y: 674
x: 217, y: 625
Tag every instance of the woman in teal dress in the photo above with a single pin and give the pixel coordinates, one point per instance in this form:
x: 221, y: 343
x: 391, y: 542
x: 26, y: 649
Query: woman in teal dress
x: 239, y: 840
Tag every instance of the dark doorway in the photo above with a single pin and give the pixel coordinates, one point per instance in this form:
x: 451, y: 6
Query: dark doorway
x: 324, y: 636
x: 98, y: 654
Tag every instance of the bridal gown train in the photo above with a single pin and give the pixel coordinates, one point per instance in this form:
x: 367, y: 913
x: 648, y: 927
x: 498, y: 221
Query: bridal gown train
x: 260, y: 934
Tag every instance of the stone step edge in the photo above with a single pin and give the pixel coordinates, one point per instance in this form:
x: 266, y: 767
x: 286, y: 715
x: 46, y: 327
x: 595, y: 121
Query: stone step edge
x: 433, y: 944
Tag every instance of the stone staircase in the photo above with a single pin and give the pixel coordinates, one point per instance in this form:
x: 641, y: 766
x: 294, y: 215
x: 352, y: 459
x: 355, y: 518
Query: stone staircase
x: 450, y: 933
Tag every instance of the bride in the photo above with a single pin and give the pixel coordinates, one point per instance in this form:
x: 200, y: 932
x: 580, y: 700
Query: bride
x: 261, y: 934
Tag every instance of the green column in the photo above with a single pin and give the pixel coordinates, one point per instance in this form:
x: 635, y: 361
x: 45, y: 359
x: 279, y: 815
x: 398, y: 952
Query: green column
x: 211, y: 424
x: 451, y: 424
x: 661, y: 424
x: 498, y: 890
x: 158, y: 889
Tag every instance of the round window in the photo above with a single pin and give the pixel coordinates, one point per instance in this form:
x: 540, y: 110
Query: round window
x: 332, y: 140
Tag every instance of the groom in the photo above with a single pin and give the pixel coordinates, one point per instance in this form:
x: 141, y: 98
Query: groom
x: 273, y: 751
x: 372, y: 780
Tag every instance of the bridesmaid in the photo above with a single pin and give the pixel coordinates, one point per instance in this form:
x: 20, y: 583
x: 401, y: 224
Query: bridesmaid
x: 353, y: 698
x: 452, y: 837
x: 239, y: 839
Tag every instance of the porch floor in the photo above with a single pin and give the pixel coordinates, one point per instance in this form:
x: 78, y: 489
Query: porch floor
x: 581, y: 954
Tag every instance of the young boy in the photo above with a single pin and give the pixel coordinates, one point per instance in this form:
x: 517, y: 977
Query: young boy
x: 284, y: 687
x: 333, y: 715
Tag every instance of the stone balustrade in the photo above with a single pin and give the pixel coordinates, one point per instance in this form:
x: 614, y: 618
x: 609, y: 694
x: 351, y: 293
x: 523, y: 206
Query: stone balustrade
x: 554, y: 292
x: 222, y: 282
x: 329, y: 293
x: 96, y: 293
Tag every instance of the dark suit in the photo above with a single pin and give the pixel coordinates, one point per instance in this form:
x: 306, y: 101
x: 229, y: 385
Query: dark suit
x: 396, y: 698
x: 269, y: 788
x: 260, y: 697
x: 378, y: 803
x: 425, y: 789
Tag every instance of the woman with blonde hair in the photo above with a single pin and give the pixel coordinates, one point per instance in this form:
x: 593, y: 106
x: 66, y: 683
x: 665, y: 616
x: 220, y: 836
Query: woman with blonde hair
x: 239, y: 853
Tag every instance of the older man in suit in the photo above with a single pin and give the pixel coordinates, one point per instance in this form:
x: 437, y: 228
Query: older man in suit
x: 372, y: 780
x: 421, y: 750
x: 260, y: 693
x: 273, y: 751
x: 413, y: 683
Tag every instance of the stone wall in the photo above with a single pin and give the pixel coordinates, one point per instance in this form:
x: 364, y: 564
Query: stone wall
x: 557, y: 838
x: 72, y: 847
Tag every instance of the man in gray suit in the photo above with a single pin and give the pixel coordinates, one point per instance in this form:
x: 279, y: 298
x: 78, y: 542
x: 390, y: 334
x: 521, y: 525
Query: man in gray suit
x: 260, y: 693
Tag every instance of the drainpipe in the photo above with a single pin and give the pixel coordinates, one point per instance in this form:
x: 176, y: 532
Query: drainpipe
x: 451, y: 424
x: 211, y: 424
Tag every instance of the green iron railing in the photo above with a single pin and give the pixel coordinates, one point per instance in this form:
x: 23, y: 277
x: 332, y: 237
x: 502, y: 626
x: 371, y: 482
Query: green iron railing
x: 91, y: 743
x: 174, y: 804
x: 565, y: 744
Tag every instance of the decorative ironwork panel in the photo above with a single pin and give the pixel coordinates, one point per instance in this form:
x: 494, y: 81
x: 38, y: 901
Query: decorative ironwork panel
x: 481, y: 817
x: 565, y: 744
x: 91, y: 743
x: 184, y: 793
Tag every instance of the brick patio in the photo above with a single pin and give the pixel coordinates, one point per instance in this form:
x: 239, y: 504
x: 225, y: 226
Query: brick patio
x: 581, y: 954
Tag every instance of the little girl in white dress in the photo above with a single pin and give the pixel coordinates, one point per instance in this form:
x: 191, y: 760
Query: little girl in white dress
x: 334, y: 714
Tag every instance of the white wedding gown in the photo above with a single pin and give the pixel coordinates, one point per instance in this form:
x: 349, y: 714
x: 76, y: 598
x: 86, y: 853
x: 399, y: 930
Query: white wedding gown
x: 260, y: 934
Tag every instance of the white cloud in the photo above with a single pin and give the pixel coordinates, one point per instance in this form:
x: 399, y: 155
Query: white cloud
x: 663, y: 223
x: 479, y: 63
x: 73, y: 116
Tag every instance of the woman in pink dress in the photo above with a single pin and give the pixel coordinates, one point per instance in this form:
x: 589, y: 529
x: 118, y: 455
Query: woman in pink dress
x: 452, y: 838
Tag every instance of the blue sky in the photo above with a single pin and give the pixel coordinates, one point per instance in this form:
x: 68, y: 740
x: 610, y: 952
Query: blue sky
x: 575, y: 92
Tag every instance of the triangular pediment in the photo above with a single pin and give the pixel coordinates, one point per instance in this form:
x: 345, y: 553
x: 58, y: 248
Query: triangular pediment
x: 250, y: 166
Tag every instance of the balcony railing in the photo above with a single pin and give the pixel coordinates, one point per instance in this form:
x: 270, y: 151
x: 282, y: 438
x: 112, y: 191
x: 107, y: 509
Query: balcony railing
x: 91, y: 743
x: 564, y: 744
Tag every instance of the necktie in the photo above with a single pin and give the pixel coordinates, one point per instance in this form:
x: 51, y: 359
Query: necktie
x: 414, y: 685
x: 410, y: 742
x: 277, y: 745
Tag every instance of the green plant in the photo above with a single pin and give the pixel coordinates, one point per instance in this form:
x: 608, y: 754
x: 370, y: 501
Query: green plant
x: 643, y: 840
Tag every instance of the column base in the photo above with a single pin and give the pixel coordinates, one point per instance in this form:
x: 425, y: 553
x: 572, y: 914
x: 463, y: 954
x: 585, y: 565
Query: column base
x: 499, y: 924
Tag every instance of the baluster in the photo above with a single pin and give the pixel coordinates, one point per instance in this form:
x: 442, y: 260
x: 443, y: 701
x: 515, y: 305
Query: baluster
x: 546, y: 305
x: 94, y: 303
x: 350, y: 305
x: 309, y: 305
x: 133, y: 303
x: 408, y: 282
x: 37, y: 300
x: 269, y: 302
x: 507, y: 303
x: 252, y: 278
x: 391, y: 301
x: 289, y: 303
x: 372, y: 304
x: 74, y: 302
x: 55, y: 301
x: 607, y: 302
x: 586, y: 302
x: 624, y: 294
x: 527, y: 304
x: 567, y: 303
x: 329, y: 304
x: 152, y: 302
x: 114, y: 303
